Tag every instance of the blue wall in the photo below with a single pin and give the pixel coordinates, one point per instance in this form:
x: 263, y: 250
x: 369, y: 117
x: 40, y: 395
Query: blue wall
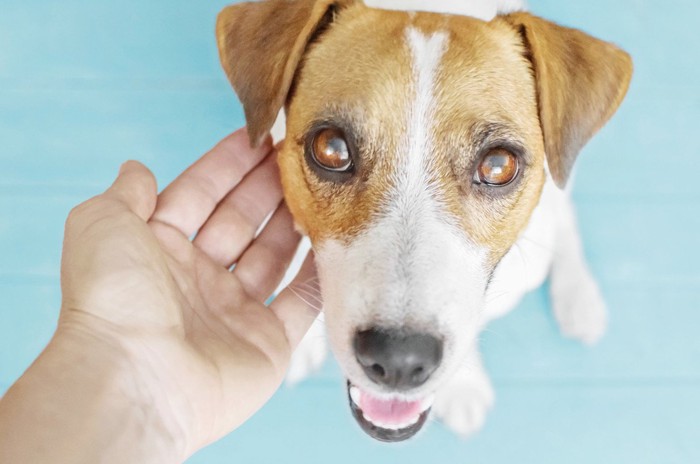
x: 86, y: 85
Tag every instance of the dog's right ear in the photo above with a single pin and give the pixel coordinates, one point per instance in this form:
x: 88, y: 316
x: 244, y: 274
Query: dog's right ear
x: 261, y: 45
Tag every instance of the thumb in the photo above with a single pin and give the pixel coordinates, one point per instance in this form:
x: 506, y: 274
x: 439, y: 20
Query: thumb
x: 136, y: 187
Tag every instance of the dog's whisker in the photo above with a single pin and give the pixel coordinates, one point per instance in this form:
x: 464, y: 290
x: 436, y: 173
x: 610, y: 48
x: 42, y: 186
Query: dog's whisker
x: 534, y: 242
x: 495, y: 297
x: 310, y: 280
x: 309, y: 295
x: 311, y: 283
x: 486, y: 330
x: 308, y: 299
x: 311, y: 305
x: 309, y: 286
x: 518, y: 247
x: 307, y: 283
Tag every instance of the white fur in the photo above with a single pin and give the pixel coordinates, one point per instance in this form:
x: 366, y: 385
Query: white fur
x: 482, y: 9
x: 577, y: 303
x: 412, y: 258
x: 527, y: 263
x: 463, y: 402
x: 549, y: 245
x: 426, y: 53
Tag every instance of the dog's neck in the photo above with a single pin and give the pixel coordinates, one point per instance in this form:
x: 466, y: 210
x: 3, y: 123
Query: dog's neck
x: 482, y: 9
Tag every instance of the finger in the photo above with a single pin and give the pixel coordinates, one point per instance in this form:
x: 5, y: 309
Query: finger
x: 264, y: 263
x: 298, y: 305
x: 135, y: 186
x: 229, y: 231
x: 189, y: 200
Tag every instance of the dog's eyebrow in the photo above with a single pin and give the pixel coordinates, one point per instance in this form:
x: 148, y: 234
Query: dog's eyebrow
x: 488, y: 135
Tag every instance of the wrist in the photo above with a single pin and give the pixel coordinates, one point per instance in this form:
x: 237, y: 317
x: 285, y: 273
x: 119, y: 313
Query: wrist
x: 86, y: 399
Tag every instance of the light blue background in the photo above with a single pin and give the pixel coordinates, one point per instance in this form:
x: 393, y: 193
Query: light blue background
x: 85, y: 85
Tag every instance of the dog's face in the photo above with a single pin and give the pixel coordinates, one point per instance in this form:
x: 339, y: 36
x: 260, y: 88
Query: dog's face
x: 415, y: 153
x: 433, y: 171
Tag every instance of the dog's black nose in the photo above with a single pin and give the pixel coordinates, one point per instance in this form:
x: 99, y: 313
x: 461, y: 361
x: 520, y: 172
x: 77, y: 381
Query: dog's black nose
x: 397, y: 359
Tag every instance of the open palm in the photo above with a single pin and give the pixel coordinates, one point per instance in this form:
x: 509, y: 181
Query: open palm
x: 200, y: 339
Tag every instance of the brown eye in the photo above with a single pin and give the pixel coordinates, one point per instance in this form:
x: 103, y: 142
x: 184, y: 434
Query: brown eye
x: 499, y: 167
x: 330, y: 150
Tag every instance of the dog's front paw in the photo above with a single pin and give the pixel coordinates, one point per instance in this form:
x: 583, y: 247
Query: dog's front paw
x: 579, y: 307
x: 462, y: 404
x: 309, y: 355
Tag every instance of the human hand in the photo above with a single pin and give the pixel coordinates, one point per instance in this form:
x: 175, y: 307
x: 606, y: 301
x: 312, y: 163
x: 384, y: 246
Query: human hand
x: 192, y: 342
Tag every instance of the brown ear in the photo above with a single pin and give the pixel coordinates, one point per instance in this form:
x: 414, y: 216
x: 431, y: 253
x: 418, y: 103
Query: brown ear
x: 580, y: 83
x: 261, y: 45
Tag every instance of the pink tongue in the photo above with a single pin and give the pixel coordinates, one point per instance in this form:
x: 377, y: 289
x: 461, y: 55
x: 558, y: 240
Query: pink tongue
x: 389, y: 411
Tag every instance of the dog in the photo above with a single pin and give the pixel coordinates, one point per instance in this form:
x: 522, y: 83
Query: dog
x: 426, y: 157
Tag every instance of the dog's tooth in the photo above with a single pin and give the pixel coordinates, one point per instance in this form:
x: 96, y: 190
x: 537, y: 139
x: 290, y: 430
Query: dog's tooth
x: 386, y: 426
x: 400, y: 426
x: 414, y: 420
x: 409, y: 422
x: 427, y: 402
x: 377, y: 423
x: 355, y: 395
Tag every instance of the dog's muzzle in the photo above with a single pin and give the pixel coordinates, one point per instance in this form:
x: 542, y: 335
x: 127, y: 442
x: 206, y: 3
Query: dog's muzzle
x: 397, y: 362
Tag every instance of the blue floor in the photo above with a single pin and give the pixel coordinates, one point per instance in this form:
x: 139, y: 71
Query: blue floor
x: 86, y: 85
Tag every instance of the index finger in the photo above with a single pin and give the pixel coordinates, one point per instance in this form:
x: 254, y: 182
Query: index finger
x: 189, y: 200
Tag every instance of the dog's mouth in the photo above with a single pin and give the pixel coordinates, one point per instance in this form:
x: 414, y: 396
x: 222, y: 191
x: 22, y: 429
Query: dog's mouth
x: 388, y: 419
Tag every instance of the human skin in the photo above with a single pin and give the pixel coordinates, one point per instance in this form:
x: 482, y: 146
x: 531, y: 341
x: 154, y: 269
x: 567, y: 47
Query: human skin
x: 160, y: 348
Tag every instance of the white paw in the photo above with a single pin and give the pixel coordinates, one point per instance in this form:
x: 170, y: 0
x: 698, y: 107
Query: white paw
x: 309, y: 355
x: 462, y: 404
x: 579, y: 307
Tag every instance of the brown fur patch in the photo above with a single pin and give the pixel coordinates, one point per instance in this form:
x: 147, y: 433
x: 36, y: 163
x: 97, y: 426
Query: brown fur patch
x: 351, y: 77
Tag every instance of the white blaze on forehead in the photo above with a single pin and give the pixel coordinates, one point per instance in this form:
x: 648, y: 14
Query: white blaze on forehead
x: 412, y: 212
x: 426, y: 53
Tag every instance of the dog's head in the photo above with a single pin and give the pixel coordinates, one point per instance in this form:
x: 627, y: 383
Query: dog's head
x: 417, y: 147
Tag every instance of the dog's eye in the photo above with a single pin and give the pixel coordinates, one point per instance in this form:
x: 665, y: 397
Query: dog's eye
x: 330, y: 150
x: 498, y: 168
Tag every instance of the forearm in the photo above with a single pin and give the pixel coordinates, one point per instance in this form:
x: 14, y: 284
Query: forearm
x: 81, y: 405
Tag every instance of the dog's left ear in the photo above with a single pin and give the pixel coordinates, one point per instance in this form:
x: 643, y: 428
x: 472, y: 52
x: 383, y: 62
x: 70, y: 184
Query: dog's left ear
x: 580, y: 83
x: 261, y: 45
